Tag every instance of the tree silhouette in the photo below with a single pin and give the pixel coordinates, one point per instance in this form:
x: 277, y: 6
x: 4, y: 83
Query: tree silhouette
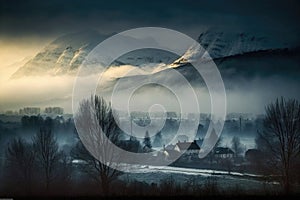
x: 95, y: 118
x: 47, y: 154
x: 281, y: 137
x: 20, y: 163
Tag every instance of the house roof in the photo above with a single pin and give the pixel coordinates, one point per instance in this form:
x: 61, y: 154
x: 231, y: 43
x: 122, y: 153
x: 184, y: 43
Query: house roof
x: 172, y: 152
x: 223, y: 150
x: 170, y: 147
x: 188, y: 146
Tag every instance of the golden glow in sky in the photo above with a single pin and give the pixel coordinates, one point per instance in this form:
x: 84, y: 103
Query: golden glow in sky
x: 15, y: 50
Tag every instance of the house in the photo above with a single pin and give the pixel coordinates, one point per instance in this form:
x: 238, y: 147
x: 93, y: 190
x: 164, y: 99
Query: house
x: 182, y: 138
x: 172, y: 154
x: 188, y: 148
x: 185, y: 149
x: 223, y: 152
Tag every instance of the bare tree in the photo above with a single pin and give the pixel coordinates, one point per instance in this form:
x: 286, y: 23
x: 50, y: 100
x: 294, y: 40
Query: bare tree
x: 20, y: 162
x: 281, y: 137
x: 47, y: 154
x: 236, y: 146
x: 95, y: 119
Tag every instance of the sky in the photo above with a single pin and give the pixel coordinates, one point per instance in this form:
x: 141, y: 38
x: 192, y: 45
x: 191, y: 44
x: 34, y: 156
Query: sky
x: 49, y: 18
x: 26, y: 27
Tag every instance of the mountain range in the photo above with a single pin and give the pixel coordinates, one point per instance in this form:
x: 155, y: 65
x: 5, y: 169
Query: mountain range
x: 65, y: 54
x: 255, y: 70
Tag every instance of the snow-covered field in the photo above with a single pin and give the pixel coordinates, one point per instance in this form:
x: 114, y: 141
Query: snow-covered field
x: 224, y: 180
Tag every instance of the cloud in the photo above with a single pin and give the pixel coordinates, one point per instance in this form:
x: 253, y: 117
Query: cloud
x: 35, y: 91
x: 243, y: 95
x: 47, y: 18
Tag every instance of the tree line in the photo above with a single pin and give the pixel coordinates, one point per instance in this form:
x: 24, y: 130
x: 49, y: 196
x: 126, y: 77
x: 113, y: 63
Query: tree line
x: 38, y: 163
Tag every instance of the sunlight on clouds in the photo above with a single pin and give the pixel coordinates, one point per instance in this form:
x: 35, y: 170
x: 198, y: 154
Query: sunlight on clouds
x: 54, y: 90
x: 15, y: 50
x: 29, y: 91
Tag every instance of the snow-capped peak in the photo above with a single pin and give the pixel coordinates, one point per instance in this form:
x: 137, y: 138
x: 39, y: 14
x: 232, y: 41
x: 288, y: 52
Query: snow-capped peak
x: 63, y: 55
x: 218, y: 44
x: 222, y: 44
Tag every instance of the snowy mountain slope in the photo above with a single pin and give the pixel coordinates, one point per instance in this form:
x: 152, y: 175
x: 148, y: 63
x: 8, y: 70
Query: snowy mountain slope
x: 145, y: 56
x: 61, y: 56
x: 219, y: 44
x: 255, y: 77
x: 66, y: 53
x: 237, y: 71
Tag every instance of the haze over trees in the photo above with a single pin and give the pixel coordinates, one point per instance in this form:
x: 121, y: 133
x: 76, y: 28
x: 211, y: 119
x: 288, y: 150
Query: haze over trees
x: 39, y: 162
x: 42, y: 164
